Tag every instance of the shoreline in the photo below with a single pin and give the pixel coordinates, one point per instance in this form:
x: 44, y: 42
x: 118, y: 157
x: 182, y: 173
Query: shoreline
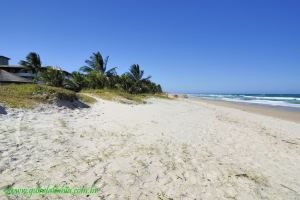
x: 280, y: 112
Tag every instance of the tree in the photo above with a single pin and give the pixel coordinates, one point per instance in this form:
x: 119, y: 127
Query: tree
x: 95, y: 75
x: 76, y: 81
x: 95, y: 80
x: 53, y: 76
x: 135, y: 74
x: 97, y: 67
x: 125, y: 82
x: 148, y: 86
x: 158, y: 89
x: 98, y: 64
x: 32, y: 62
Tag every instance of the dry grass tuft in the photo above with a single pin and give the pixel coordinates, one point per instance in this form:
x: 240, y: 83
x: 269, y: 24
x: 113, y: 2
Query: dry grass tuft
x: 123, y: 97
x: 30, y: 95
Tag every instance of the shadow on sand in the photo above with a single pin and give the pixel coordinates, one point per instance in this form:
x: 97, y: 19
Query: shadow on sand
x: 71, y: 104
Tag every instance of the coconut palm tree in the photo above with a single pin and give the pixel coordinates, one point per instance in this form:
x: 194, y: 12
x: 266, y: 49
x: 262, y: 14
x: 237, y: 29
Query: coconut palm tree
x: 76, y: 81
x: 125, y: 82
x: 97, y: 74
x: 136, y: 74
x: 53, y: 76
x: 32, y: 62
x: 95, y: 80
x: 98, y: 64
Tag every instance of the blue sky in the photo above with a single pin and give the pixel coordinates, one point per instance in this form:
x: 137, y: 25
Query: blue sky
x: 249, y: 46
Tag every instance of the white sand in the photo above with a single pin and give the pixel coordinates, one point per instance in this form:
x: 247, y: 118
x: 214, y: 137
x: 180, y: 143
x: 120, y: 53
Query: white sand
x: 168, y: 148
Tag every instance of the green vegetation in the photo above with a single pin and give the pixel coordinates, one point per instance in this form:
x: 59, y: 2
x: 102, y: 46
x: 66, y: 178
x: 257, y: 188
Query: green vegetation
x: 94, y: 78
x: 122, y: 96
x: 32, y: 62
x: 94, y: 75
x: 163, y: 196
x: 86, y: 99
x: 52, y: 76
x: 97, y: 64
x: 29, y: 95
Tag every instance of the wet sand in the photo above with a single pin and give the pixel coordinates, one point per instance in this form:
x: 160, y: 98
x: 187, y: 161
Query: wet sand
x: 286, y: 113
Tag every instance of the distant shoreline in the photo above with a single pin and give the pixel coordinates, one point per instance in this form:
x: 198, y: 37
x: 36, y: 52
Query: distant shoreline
x: 281, y: 100
x: 281, y: 112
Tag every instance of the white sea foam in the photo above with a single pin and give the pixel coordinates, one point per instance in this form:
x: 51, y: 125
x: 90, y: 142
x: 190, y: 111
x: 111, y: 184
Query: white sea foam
x: 265, y: 102
x: 273, y: 98
x: 288, y: 101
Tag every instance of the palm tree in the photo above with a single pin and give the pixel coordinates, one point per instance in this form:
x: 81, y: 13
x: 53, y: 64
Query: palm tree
x: 136, y: 75
x: 76, y: 81
x: 125, y: 82
x: 98, y: 64
x: 53, y: 76
x: 32, y: 62
x: 95, y: 80
x: 97, y: 74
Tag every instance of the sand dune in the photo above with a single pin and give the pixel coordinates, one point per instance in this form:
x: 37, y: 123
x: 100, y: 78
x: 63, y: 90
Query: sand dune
x: 180, y: 149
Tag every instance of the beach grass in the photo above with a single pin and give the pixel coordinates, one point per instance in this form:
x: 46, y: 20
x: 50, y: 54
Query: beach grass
x: 86, y: 99
x: 29, y: 95
x: 122, y: 96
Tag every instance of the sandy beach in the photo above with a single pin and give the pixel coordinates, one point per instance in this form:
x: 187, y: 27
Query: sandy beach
x: 286, y: 113
x: 179, y: 149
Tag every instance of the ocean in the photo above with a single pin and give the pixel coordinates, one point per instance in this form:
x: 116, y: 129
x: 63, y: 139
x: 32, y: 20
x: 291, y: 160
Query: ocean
x: 287, y: 100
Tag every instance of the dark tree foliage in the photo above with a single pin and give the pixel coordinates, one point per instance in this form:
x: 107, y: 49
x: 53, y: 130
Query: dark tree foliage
x: 32, y: 62
x: 94, y: 75
x: 76, y: 81
x: 52, y: 76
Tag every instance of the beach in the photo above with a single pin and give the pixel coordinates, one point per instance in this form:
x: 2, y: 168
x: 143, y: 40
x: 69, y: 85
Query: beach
x: 164, y: 149
x: 281, y: 112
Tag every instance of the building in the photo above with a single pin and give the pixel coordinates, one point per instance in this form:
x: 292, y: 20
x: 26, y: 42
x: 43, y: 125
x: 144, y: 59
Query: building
x: 6, y: 77
x: 14, y: 71
x: 18, y: 71
x: 4, y: 60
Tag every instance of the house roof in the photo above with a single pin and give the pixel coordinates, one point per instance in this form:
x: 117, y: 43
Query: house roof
x: 10, y: 66
x: 7, y: 77
x: 4, y: 57
x: 21, y: 67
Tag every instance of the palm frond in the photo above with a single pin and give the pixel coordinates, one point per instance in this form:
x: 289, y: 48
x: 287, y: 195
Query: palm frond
x: 147, y: 78
x: 111, y: 72
x: 86, y: 69
x: 105, y: 63
x: 33, y: 62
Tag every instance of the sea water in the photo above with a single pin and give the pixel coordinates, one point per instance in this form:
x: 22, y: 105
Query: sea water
x: 287, y: 100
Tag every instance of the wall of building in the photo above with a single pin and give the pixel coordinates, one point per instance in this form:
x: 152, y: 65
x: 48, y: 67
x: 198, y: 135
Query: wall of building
x: 3, y: 61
